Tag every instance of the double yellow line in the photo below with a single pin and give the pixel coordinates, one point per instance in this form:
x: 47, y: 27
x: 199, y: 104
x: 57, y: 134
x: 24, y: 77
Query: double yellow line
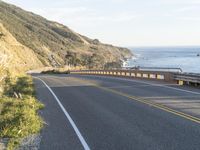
x: 153, y: 104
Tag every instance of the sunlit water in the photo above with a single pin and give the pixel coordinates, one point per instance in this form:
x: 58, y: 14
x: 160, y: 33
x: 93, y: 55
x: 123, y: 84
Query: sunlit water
x: 181, y: 57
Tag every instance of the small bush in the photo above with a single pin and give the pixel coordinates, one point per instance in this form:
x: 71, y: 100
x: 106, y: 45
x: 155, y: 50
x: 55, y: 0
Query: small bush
x: 22, y: 85
x: 56, y: 71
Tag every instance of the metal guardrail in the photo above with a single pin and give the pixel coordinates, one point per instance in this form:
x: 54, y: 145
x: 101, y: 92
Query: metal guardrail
x: 187, y: 78
x: 155, y: 69
x: 176, y: 77
x: 159, y: 75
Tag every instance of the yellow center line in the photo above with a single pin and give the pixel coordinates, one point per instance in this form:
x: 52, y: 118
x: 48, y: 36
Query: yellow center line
x: 165, y: 97
x: 156, y: 105
x: 153, y: 104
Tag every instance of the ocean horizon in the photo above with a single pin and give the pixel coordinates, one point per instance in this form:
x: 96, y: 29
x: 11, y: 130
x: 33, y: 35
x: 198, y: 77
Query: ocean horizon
x: 187, y: 58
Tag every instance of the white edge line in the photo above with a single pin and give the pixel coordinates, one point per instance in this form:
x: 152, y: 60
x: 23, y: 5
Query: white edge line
x: 82, y: 140
x: 165, y: 86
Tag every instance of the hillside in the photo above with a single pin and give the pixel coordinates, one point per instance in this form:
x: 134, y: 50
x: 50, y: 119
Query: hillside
x: 31, y: 41
x: 14, y: 57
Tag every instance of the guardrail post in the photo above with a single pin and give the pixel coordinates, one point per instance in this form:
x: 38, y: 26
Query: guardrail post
x: 180, y: 82
x: 132, y: 74
x: 139, y: 75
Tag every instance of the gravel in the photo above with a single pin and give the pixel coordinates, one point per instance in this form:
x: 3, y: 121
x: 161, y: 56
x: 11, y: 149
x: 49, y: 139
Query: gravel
x: 3, y: 143
x: 31, y: 142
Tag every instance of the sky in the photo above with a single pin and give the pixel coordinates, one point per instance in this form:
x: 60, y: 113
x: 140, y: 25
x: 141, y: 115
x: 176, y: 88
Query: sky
x: 125, y: 22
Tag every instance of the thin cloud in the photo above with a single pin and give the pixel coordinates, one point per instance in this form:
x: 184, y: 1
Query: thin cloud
x: 134, y: 20
x: 84, y: 14
x: 190, y: 18
x: 186, y: 9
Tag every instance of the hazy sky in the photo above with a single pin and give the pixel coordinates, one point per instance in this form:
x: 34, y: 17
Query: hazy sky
x: 125, y: 22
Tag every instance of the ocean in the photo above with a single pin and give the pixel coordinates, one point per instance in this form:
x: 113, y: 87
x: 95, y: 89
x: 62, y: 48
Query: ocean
x: 185, y: 58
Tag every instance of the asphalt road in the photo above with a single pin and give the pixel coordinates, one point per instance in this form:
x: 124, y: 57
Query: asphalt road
x: 106, y: 113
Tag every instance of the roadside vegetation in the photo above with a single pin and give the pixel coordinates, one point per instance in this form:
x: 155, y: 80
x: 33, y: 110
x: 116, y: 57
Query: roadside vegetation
x: 18, y: 110
x: 56, y: 71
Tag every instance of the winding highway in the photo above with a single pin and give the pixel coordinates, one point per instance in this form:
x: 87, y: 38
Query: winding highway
x: 112, y: 113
